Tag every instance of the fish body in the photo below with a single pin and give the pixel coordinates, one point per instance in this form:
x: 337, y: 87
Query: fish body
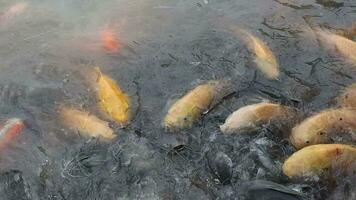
x: 252, y: 116
x: 14, y: 10
x: 315, y: 159
x: 85, y: 123
x: 112, y: 100
x: 10, y: 129
x: 188, y: 109
x: 265, y: 60
x: 109, y: 40
x: 325, y: 127
x: 345, y: 46
x: 348, y: 97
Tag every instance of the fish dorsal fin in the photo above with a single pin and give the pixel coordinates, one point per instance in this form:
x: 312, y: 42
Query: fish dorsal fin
x: 98, y: 73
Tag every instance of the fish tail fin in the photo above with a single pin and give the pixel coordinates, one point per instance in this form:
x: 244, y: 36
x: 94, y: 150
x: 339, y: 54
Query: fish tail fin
x: 223, y: 88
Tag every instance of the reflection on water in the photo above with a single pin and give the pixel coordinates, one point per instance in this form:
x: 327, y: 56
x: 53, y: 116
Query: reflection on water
x: 156, y: 51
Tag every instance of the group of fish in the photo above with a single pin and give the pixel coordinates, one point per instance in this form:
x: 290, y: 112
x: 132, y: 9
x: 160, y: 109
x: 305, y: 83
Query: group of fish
x: 325, y: 140
x: 87, y: 123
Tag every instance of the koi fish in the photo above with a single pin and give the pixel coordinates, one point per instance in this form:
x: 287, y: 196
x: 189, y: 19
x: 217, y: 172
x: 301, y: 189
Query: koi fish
x: 112, y: 100
x: 10, y: 129
x: 85, y: 122
x: 348, y: 97
x: 316, y: 159
x: 346, y: 47
x: 188, y: 109
x: 14, y: 10
x: 325, y: 127
x: 109, y: 40
x: 265, y: 60
x: 252, y: 116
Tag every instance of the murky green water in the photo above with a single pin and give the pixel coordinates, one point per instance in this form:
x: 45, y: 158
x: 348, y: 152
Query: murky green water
x: 166, y: 48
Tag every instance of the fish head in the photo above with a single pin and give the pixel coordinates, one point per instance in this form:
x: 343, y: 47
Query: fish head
x: 308, y: 133
x: 180, y: 117
x: 294, y: 167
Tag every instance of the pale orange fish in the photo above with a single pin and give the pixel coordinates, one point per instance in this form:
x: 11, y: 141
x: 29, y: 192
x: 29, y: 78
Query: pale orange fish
x: 344, y: 46
x: 109, y: 40
x: 14, y: 10
x: 264, y: 58
x: 253, y: 116
x: 348, y: 97
x: 85, y: 123
x: 329, y: 126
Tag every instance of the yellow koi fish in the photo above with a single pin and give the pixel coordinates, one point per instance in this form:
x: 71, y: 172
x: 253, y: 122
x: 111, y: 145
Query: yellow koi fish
x: 188, y: 109
x: 112, y: 100
x: 316, y: 159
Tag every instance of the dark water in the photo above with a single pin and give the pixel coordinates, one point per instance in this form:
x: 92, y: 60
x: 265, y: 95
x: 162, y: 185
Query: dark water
x: 167, y: 47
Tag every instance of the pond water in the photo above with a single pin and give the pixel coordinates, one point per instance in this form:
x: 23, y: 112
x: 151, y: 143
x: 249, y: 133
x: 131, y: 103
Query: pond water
x: 164, y: 49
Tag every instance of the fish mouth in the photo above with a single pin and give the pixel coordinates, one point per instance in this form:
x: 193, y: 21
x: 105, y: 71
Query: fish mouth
x: 295, y: 141
x: 298, y: 143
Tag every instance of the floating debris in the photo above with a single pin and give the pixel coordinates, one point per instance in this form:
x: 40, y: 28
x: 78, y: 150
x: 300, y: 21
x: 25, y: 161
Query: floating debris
x: 253, y: 116
x: 329, y: 126
x: 185, y: 111
x: 85, y: 123
x: 112, y: 100
x: 316, y: 159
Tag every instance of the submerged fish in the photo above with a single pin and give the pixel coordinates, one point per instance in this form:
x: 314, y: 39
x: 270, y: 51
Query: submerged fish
x: 109, y: 40
x: 267, y: 190
x: 14, y: 10
x: 85, y: 123
x: 325, y: 127
x: 265, y: 60
x: 348, y: 97
x: 188, y: 109
x: 315, y: 159
x: 221, y: 166
x: 345, y: 46
x: 112, y: 100
x: 252, y: 116
x: 10, y: 129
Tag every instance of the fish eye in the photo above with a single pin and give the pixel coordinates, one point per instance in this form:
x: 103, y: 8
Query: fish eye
x: 321, y: 133
x: 340, y: 118
x: 185, y: 118
x: 307, y: 141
